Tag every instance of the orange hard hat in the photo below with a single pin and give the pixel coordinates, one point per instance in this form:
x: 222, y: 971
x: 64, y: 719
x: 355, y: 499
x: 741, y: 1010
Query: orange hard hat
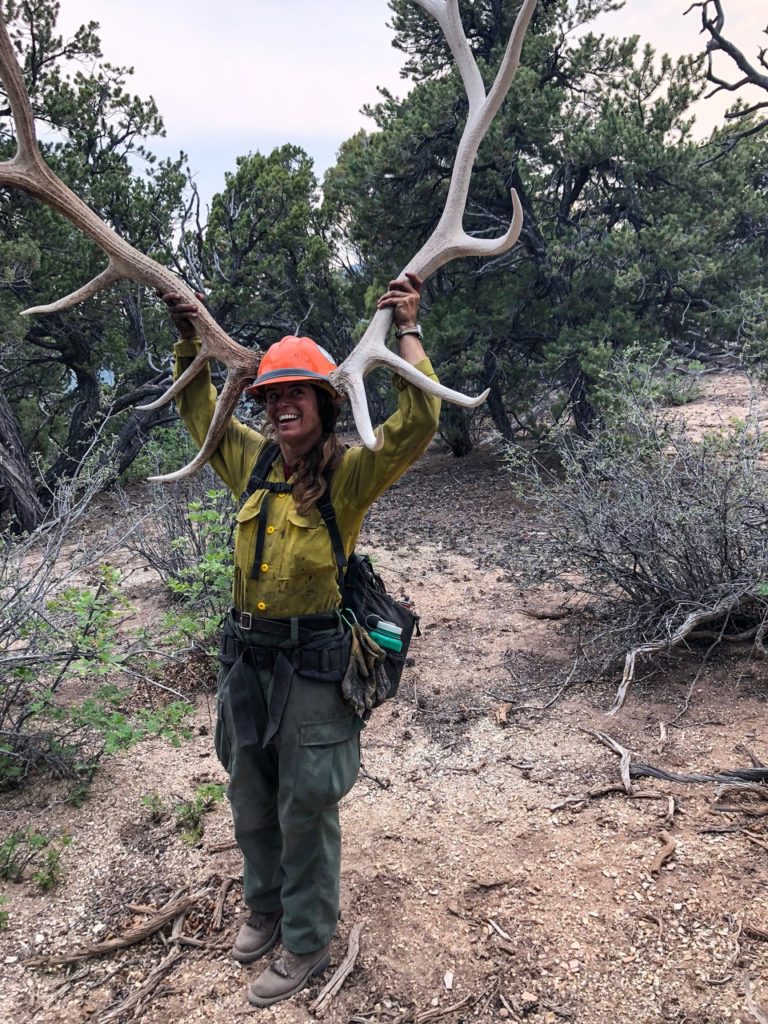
x: 294, y: 359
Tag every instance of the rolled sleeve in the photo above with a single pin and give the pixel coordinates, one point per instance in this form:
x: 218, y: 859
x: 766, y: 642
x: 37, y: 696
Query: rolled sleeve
x: 405, y: 436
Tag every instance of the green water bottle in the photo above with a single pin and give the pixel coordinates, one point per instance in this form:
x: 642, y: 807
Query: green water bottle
x: 386, y: 640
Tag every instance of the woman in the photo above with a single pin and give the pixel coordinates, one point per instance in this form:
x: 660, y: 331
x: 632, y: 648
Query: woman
x: 287, y: 739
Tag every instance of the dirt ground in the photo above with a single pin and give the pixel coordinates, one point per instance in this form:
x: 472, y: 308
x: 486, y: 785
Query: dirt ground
x: 484, y: 892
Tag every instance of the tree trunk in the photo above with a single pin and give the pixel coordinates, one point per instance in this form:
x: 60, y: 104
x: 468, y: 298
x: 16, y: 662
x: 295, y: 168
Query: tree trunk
x: 87, y: 418
x: 584, y: 413
x: 492, y: 379
x: 134, y: 433
x: 19, y: 504
x: 454, y: 429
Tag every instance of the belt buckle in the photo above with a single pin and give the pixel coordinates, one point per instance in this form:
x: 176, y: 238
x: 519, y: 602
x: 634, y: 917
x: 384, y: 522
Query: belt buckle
x: 246, y: 620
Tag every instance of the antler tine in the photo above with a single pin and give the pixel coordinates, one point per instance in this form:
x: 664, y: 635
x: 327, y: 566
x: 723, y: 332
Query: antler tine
x: 21, y: 108
x: 448, y: 241
x: 27, y: 171
x: 225, y: 408
x: 371, y: 352
x: 98, y: 284
x: 446, y: 14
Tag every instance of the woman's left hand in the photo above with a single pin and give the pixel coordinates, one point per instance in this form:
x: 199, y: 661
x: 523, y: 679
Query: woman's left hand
x: 403, y: 299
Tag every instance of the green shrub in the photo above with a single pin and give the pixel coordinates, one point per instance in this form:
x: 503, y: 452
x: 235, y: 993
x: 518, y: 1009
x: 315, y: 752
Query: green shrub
x: 189, y: 814
x: 167, y: 450
x: 64, y: 619
x: 188, y: 543
x: 51, y: 634
x: 102, y: 713
x: 155, y: 806
x: 667, y: 530
x: 647, y: 380
x: 23, y: 850
x: 75, y: 634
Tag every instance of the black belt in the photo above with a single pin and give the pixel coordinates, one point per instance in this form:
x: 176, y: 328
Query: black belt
x: 324, y: 664
x: 285, y: 627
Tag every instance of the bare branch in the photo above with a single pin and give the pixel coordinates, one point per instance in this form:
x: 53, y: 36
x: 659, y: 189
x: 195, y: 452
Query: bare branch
x: 713, y: 24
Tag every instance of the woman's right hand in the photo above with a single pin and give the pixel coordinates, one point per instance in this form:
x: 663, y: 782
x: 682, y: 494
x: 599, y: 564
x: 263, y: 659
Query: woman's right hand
x: 183, y: 313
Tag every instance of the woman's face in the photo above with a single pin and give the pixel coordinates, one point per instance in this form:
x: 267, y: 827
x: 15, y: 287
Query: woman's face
x: 293, y: 412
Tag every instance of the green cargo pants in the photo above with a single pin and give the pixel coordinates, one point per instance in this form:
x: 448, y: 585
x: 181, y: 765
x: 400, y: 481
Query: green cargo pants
x: 285, y: 796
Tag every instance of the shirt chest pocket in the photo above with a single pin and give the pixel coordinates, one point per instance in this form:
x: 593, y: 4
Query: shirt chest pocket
x: 307, y: 547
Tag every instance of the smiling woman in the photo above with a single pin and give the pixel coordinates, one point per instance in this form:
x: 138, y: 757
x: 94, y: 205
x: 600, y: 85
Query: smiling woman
x: 302, y: 408
x: 284, y: 733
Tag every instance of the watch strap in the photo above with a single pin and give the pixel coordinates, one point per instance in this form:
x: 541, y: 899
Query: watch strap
x: 414, y: 329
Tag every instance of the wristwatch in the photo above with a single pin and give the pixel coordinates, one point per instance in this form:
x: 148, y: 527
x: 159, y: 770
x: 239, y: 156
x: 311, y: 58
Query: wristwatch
x: 413, y: 329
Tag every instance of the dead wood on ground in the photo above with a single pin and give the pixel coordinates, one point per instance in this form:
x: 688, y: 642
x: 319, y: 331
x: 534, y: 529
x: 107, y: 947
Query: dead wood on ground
x: 661, y: 858
x: 342, y: 972
x: 130, y: 937
x: 144, y: 991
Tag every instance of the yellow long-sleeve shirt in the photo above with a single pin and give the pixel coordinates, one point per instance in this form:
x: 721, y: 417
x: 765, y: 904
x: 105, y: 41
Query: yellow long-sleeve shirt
x: 297, y: 573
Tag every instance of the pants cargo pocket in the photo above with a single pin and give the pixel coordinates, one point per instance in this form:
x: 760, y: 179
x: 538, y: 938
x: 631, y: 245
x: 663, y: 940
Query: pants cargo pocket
x: 330, y: 761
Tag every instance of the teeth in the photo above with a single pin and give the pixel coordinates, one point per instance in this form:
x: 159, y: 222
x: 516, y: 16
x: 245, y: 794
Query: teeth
x: 286, y: 418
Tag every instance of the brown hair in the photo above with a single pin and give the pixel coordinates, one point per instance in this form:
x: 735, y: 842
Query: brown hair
x: 310, y: 481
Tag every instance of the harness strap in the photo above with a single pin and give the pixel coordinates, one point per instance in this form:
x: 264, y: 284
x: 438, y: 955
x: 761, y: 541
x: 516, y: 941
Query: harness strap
x: 258, y: 481
x: 260, y: 472
x: 328, y: 512
x: 260, y: 534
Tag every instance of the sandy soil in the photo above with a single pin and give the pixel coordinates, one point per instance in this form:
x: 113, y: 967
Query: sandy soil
x: 483, y: 892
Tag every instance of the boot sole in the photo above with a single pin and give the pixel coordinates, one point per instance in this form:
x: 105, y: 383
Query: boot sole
x: 261, y: 1002
x: 248, y: 958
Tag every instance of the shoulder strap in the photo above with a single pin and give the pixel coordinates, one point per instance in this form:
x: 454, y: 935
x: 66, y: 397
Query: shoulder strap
x: 258, y: 478
x: 328, y: 512
x: 258, y: 481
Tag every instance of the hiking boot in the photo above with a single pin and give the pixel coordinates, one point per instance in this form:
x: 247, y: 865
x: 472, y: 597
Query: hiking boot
x: 257, y: 936
x: 288, y: 975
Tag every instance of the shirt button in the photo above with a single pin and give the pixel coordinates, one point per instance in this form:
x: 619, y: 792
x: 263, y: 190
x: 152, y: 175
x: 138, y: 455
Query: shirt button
x: 281, y: 494
x: 264, y: 567
x: 270, y: 529
x: 261, y: 606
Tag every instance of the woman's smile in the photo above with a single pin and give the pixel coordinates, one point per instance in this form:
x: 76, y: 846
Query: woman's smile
x: 293, y: 412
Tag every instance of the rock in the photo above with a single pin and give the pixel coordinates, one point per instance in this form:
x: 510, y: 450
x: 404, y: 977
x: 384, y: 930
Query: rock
x: 528, y: 1001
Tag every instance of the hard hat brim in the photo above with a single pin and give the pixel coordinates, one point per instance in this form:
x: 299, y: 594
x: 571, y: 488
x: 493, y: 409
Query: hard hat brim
x: 288, y: 376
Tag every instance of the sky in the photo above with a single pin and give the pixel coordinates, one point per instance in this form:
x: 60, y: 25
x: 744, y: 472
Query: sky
x: 237, y: 76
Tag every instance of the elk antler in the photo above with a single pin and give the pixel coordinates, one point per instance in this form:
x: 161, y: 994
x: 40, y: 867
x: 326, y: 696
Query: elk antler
x: 28, y: 171
x: 449, y: 240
